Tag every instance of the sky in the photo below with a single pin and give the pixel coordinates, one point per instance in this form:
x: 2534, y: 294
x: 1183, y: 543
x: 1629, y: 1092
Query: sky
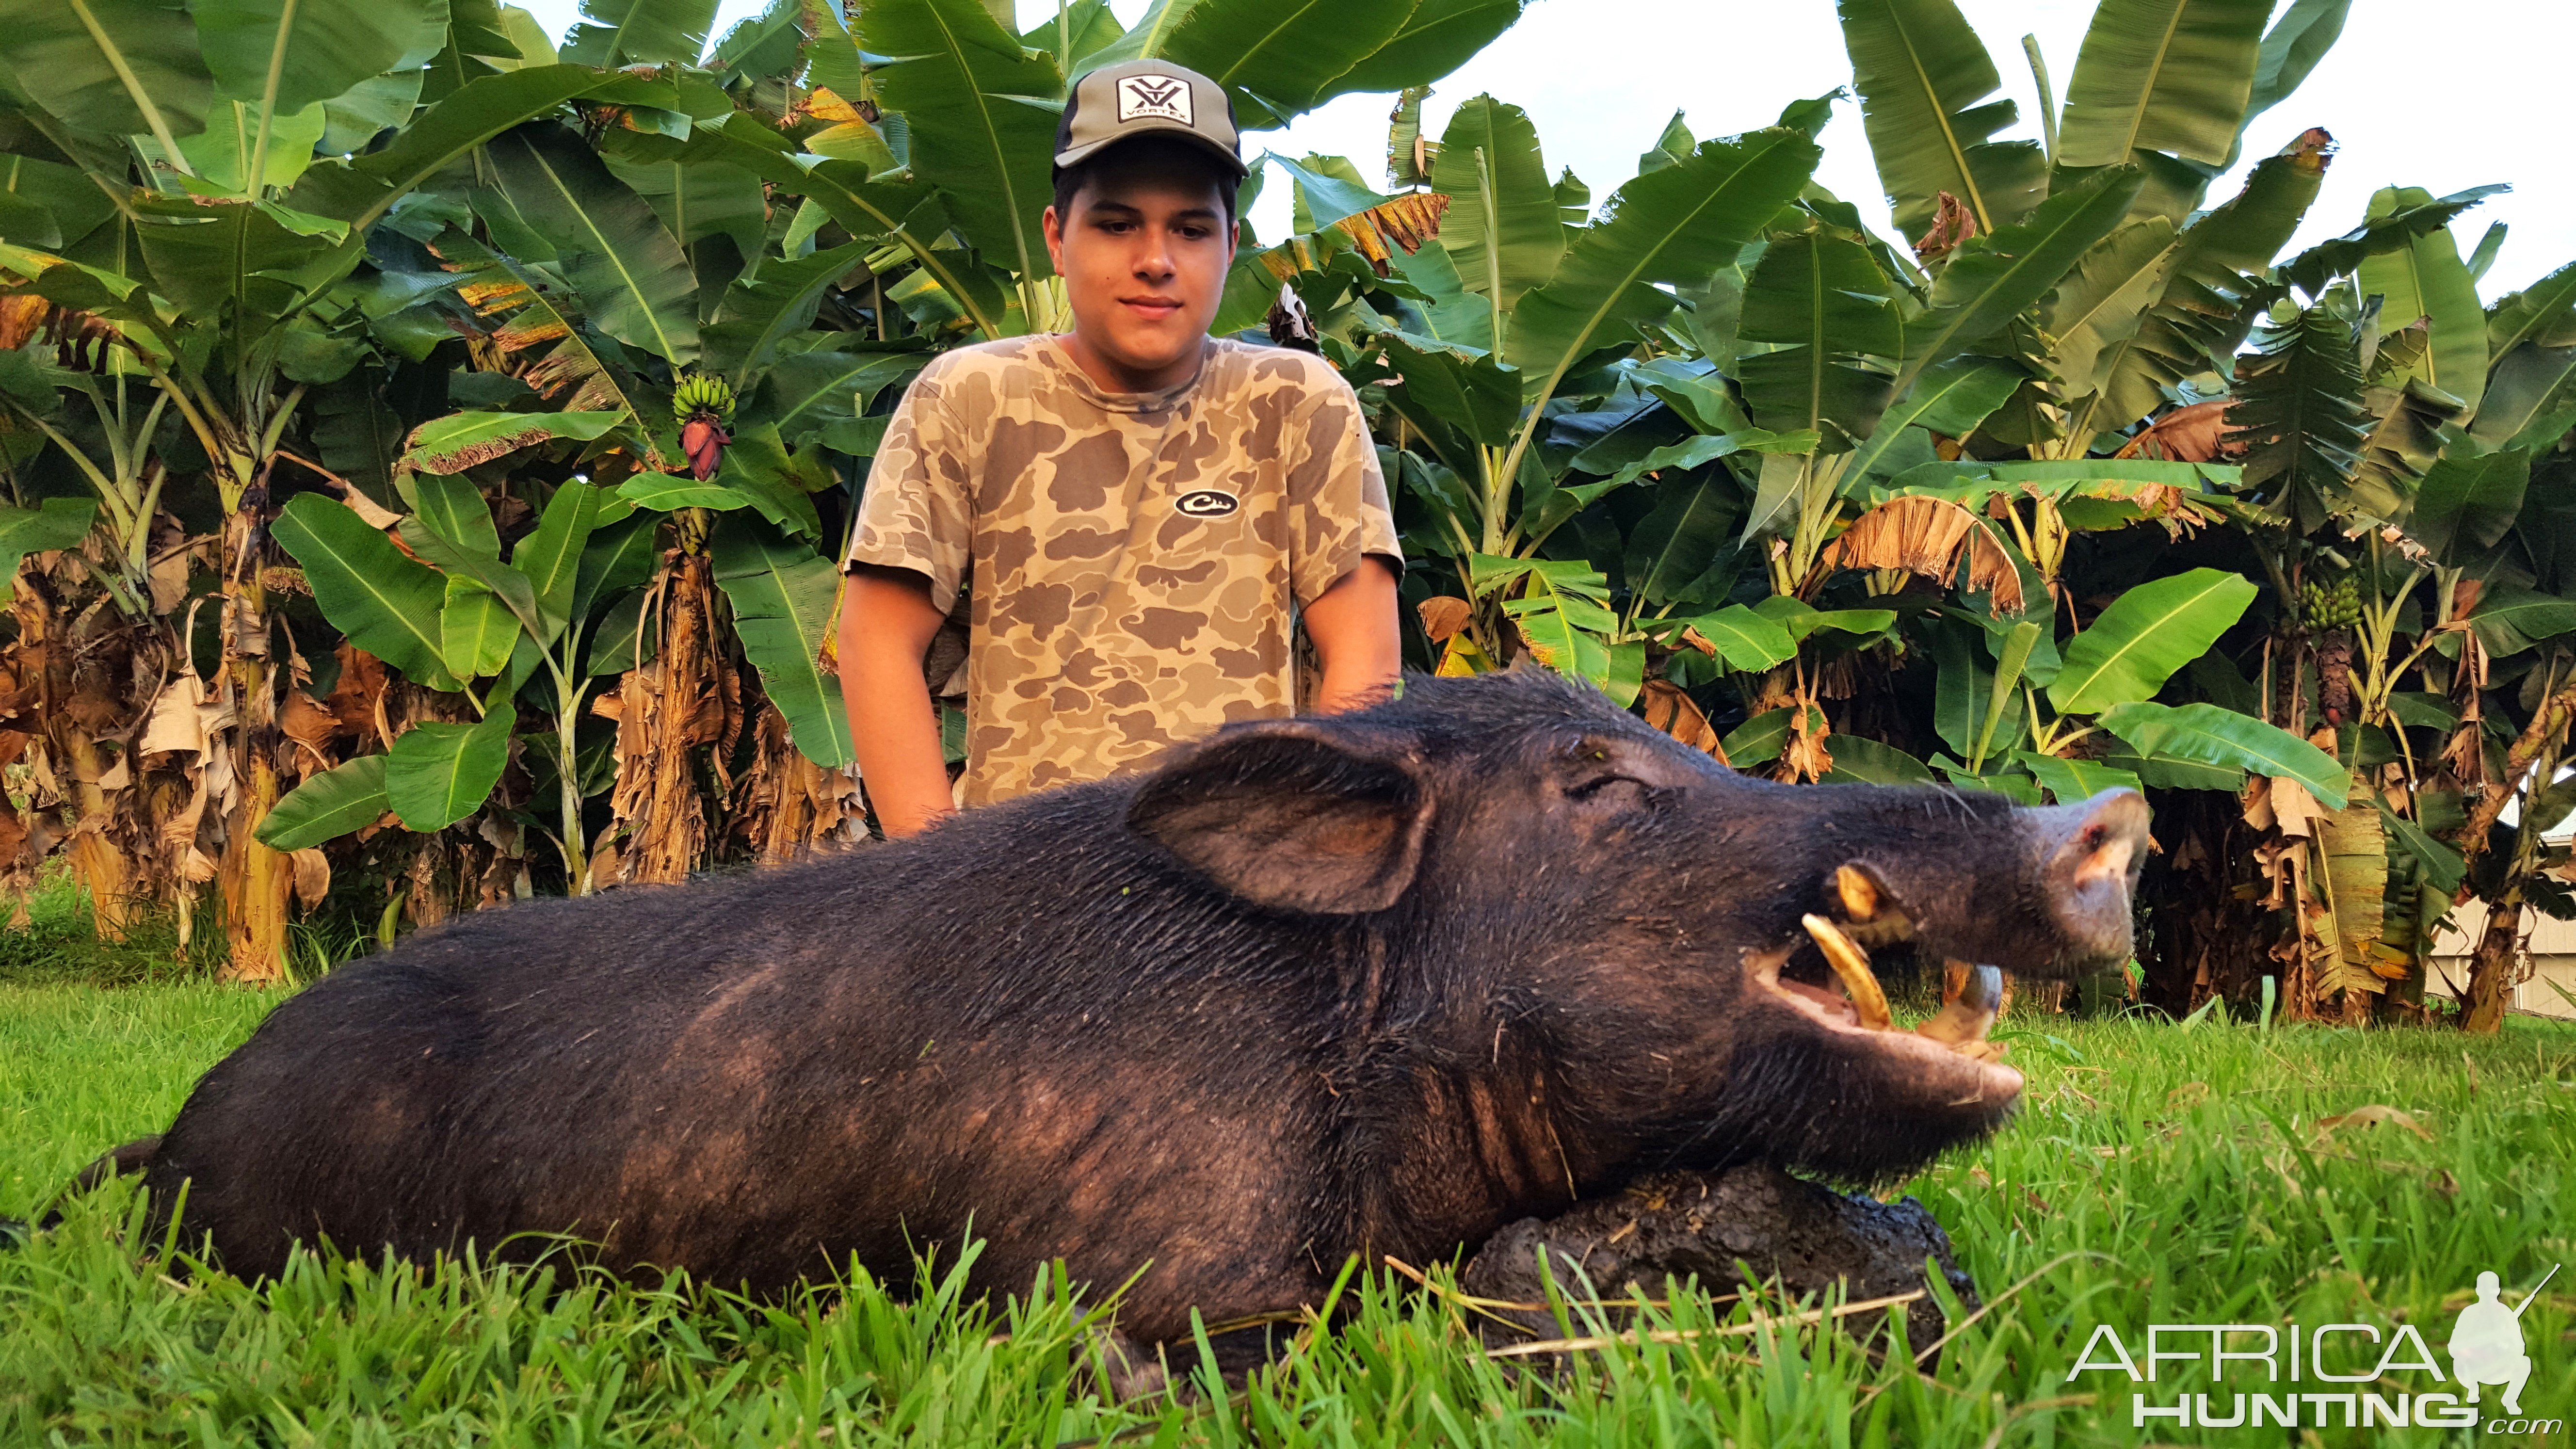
x: 2471, y: 99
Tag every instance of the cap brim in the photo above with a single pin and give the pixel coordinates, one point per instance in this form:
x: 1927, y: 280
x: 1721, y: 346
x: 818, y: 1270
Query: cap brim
x: 1075, y: 156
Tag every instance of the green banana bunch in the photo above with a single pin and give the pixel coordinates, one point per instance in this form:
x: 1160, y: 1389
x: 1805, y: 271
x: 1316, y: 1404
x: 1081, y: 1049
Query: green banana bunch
x: 702, y: 392
x: 2331, y: 606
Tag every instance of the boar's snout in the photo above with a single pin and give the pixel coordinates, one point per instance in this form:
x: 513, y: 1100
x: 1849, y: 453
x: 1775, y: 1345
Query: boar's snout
x: 2091, y: 852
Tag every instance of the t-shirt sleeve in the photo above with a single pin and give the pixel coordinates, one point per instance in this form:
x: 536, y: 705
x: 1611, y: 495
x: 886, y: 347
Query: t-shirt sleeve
x: 917, y: 511
x: 1336, y: 492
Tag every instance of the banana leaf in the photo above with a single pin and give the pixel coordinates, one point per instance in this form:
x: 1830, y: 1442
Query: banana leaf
x: 2425, y: 279
x: 361, y: 190
x: 1992, y: 278
x: 110, y: 67
x: 2291, y: 50
x: 2543, y: 313
x: 476, y: 630
x: 2467, y: 501
x: 476, y: 43
x: 783, y: 596
x: 1925, y: 81
x: 280, y: 56
x: 2207, y: 734
x: 2300, y: 415
x: 1281, y: 58
x: 1675, y: 226
x: 2210, y: 292
x: 383, y: 601
x: 982, y: 115
x: 1834, y: 329
x: 551, y: 556
x: 633, y: 279
x: 2152, y: 630
x: 760, y: 314
x: 2310, y: 270
x: 1501, y: 231
x: 52, y: 523
x: 438, y: 773
x: 339, y: 800
x: 2161, y: 75
x: 459, y: 441
x: 1437, y: 37
x: 630, y: 32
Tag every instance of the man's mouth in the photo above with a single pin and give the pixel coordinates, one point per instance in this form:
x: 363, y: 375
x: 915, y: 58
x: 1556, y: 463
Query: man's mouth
x: 1151, y: 307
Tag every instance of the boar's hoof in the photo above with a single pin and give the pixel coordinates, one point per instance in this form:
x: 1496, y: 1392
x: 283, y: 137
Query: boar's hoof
x: 1688, y: 1224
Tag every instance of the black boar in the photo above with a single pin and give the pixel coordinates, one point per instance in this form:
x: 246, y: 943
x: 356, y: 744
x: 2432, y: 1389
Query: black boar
x: 1378, y: 983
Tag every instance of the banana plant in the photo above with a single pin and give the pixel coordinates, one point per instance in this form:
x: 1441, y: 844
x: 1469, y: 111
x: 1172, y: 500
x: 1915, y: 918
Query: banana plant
x: 113, y: 417
x: 2392, y: 455
x: 445, y: 607
x: 228, y: 273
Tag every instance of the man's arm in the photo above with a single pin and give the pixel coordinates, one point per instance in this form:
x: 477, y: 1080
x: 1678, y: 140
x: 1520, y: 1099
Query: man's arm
x: 1354, y: 628
x: 886, y: 626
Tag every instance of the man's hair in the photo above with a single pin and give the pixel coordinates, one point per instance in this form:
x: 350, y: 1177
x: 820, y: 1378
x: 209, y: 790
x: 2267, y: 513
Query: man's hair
x: 1153, y: 153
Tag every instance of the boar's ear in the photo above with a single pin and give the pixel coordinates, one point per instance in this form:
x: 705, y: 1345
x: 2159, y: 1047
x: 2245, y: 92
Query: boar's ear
x: 1293, y: 815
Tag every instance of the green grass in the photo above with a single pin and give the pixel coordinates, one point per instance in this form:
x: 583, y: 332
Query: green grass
x: 2157, y: 1175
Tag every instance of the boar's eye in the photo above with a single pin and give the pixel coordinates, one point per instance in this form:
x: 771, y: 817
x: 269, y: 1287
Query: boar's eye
x: 1621, y: 792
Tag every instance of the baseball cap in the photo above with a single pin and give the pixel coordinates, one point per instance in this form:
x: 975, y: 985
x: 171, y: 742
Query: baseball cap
x: 1144, y: 98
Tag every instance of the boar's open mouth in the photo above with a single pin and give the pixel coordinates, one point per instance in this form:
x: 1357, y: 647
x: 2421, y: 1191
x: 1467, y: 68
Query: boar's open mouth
x: 1953, y: 1043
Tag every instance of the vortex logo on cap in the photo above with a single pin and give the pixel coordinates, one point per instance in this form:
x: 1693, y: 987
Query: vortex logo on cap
x: 1154, y: 97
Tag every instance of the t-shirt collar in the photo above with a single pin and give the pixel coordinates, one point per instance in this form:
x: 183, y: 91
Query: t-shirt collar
x: 1058, y: 356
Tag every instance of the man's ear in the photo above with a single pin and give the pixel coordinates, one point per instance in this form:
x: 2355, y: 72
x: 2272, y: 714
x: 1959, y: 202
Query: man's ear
x: 1051, y: 227
x: 1294, y: 815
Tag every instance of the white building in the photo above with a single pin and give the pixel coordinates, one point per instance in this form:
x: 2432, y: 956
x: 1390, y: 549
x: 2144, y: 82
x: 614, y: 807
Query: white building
x: 2550, y: 943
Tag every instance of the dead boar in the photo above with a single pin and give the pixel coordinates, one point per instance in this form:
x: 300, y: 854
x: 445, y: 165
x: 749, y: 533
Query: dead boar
x: 1378, y: 983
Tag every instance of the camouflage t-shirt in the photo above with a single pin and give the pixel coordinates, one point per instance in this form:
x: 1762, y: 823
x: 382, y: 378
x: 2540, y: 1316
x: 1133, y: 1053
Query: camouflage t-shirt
x: 1132, y: 556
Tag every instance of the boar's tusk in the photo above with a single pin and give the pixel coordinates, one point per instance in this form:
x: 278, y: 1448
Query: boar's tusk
x: 1852, y: 965
x: 1965, y: 1021
x: 1872, y: 915
x: 1858, y: 891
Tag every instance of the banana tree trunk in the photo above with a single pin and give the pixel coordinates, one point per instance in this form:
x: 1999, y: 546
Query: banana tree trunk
x: 2491, y: 964
x: 686, y: 698
x: 96, y: 862
x: 256, y: 880
x: 2209, y: 930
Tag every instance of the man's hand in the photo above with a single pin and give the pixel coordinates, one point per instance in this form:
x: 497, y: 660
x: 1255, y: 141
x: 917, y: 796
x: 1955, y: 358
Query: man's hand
x: 886, y: 626
x: 1354, y: 628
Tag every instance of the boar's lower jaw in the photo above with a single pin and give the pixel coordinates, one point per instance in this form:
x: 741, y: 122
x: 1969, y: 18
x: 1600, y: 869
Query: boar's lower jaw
x: 1952, y: 1046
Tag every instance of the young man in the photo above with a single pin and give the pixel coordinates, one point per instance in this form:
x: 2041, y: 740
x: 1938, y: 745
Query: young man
x: 1132, y: 507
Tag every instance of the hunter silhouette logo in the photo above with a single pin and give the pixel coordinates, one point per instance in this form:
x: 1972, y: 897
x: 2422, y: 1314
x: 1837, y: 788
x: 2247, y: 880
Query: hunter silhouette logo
x: 2293, y: 1375
x: 1154, y: 97
x: 2486, y: 1343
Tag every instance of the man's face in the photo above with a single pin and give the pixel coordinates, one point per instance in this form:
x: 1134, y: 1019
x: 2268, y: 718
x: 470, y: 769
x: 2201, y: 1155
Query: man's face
x: 1143, y: 257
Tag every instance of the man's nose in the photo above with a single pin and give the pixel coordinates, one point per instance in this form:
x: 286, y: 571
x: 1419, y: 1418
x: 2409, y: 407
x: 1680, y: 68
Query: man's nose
x: 1154, y: 258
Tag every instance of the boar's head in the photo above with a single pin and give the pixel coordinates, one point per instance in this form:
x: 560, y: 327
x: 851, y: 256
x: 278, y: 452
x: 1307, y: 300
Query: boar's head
x: 1678, y: 950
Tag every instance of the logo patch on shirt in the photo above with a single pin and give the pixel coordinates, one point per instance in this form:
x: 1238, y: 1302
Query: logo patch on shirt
x: 1207, y: 503
x: 1156, y: 97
